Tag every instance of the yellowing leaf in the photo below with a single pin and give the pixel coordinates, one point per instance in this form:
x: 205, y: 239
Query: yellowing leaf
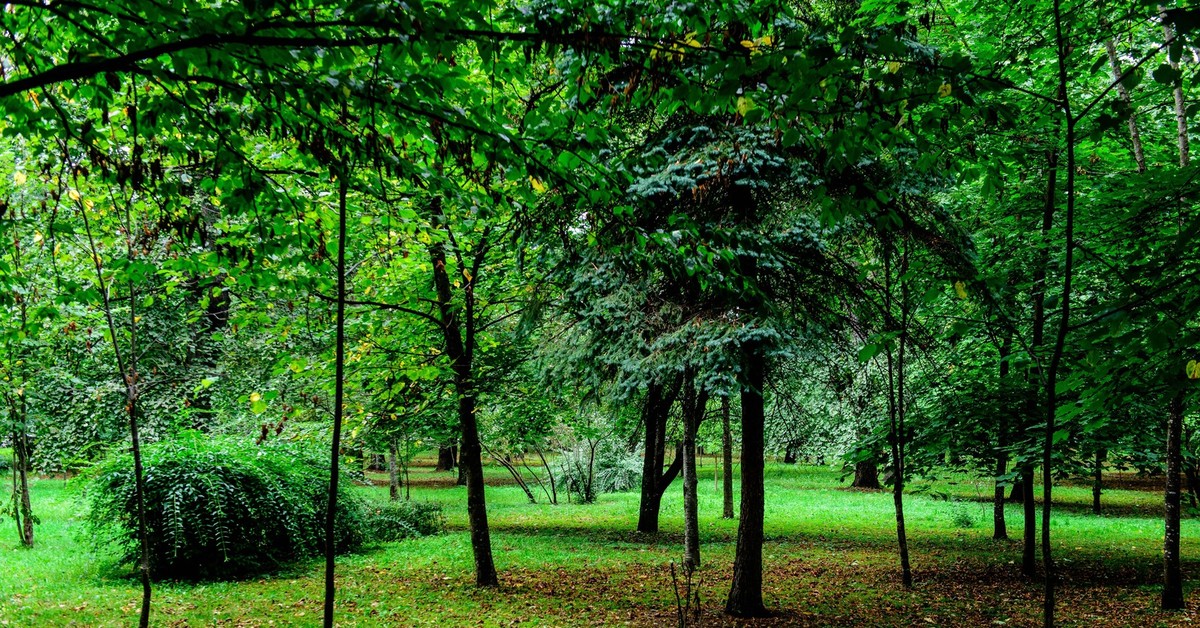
x: 73, y: 195
x: 467, y: 274
x: 19, y: 178
x: 960, y: 289
x: 538, y: 186
x: 894, y: 67
x: 88, y: 203
x: 744, y: 104
x: 255, y: 396
x: 748, y: 44
x: 944, y: 90
x: 1192, y: 369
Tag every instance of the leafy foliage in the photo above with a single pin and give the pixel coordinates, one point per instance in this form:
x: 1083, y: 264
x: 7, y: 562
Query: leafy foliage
x: 221, y: 507
x: 396, y: 521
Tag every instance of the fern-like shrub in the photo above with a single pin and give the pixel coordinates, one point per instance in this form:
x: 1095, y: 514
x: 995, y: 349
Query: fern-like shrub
x: 221, y: 507
x: 395, y: 521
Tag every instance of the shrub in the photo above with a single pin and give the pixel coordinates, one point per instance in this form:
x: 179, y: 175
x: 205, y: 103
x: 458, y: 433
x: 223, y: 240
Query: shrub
x: 593, y: 467
x: 395, y: 521
x: 220, y: 507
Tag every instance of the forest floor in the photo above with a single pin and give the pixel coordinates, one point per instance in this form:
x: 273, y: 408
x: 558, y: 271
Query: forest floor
x: 830, y: 560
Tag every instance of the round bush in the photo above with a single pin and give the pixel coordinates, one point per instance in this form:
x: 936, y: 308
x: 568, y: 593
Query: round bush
x: 396, y: 521
x: 220, y: 507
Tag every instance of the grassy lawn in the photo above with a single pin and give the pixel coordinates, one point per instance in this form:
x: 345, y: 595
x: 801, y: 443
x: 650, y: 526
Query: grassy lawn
x: 829, y: 555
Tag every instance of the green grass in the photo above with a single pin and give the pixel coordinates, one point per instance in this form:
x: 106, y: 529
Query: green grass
x: 830, y: 560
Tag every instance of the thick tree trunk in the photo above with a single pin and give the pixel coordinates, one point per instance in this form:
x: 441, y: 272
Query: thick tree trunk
x: 789, y: 454
x: 727, y: 455
x: 655, y: 481
x: 1172, y: 595
x: 1097, y: 479
x: 866, y: 475
x: 445, y: 458
x: 745, y: 593
x: 1017, y: 494
x: 393, y: 468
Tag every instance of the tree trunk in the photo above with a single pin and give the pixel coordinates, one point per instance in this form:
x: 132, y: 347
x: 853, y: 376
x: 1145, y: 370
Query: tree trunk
x: 999, y: 524
x: 393, y: 468
x: 727, y: 455
x: 866, y: 475
x: 1017, y: 494
x: 1139, y: 156
x: 693, y: 411
x: 445, y: 458
x: 339, y: 365
x: 1172, y: 595
x: 1181, y: 126
x: 745, y: 593
x: 1029, y: 548
x: 459, y: 334
x: 655, y: 411
x: 1097, y: 479
x: 127, y: 372
x: 21, y: 471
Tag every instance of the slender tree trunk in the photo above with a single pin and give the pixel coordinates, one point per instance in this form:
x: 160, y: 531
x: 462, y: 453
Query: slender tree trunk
x: 1097, y: 480
x: 1064, y: 323
x: 1181, y: 125
x: 693, y: 409
x: 1139, y: 156
x: 393, y: 471
x: 22, y: 506
x: 745, y: 593
x: 1029, y: 510
x: 1172, y: 595
x: 128, y: 373
x: 1038, y: 296
x: 339, y: 367
x: 21, y: 469
x: 896, y: 405
x: 999, y: 524
x: 460, y: 347
x: 727, y: 455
